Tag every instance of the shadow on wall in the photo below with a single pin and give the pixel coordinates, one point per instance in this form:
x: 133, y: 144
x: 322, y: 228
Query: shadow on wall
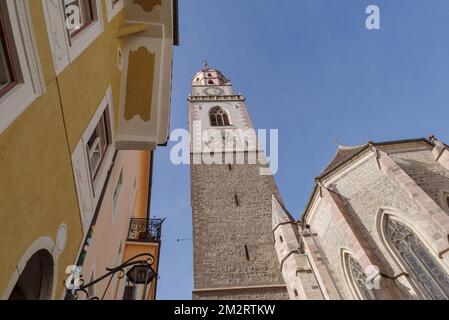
x: 432, y: 182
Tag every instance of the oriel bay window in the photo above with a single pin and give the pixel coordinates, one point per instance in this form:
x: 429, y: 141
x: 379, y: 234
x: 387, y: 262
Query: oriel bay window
x: 8, y: 68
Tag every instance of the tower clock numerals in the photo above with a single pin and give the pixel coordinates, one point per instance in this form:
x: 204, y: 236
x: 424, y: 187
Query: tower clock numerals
x: 213, y: 91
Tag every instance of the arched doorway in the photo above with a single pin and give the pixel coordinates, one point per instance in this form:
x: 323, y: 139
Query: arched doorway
x: 36, y: 280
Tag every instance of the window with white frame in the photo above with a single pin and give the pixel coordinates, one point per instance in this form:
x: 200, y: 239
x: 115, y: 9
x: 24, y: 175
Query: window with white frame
x: 117, y: 192
x: 133, y: 197
x: 72, y: 25
x: 8, y: 63
x: 98, y: 144
x: 21, y: 77
x: 80, y: 14
x: 92, y: 159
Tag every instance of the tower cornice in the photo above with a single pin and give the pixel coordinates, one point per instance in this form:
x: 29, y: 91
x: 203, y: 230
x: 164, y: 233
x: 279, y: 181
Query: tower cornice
x: 236, y: 97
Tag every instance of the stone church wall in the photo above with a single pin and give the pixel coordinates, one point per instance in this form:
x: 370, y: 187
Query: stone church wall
x: 367, y: 192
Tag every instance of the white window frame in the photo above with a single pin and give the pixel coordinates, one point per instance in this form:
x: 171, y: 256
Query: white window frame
x: 100, y: 144
x: 64, y: 49
x: 114, y: 8
x: 99, y: 181
x: 133, y: 197
x: 88, y: 189
x: 118, y: 191
x: 91, y: 289
x: 82, y: 40
x: 31, y: 81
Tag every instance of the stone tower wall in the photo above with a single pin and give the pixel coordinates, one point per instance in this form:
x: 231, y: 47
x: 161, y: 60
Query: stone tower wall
x: 222, y: 229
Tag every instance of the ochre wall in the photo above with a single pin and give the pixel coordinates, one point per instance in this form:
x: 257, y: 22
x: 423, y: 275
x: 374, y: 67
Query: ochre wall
x: 133, y: 249
x: 110, y: 229
x: 37, y: 188
x: 84, y: 82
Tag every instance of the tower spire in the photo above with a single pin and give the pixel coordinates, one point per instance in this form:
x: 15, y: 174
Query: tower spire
x: 206, y: 65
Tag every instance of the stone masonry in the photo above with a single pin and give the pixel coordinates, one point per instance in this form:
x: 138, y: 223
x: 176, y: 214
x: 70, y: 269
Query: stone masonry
x: 233, y: 244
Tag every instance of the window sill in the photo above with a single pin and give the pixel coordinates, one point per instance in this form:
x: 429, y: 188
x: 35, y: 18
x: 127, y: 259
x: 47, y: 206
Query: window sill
x: 14, y: 102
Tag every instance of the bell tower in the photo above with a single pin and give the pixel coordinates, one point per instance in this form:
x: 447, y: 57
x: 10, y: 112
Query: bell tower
x: 233, y: 243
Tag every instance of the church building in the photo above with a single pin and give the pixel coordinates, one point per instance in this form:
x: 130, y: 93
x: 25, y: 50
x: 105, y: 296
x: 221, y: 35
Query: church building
x: 376, y: 225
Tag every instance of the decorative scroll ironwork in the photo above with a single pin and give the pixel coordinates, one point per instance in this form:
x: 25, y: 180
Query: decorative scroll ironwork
x: 143, y: 262
x: 360, y: 279
x: 433, y: 279
x: 145, y: 230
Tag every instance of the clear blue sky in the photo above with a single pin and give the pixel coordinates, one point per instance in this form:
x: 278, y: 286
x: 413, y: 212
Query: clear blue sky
x: 311, y: 69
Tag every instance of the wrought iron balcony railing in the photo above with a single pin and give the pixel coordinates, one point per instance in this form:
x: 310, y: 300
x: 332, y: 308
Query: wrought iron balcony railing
x: 145, y: 230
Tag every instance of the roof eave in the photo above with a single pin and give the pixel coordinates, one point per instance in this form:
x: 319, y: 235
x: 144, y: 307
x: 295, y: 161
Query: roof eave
x: 326, y: 173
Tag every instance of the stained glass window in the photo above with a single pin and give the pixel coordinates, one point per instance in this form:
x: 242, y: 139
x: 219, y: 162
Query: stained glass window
x: 359, y: 279
x: 422, y: 265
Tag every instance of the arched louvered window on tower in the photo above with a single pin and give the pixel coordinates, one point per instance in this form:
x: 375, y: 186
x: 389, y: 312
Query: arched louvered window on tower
x: 423, y: 267
x: 219, y: 117
x: 358, y: 279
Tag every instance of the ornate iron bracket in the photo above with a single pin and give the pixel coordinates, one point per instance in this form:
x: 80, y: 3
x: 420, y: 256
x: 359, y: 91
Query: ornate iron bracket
x: 144, y: 261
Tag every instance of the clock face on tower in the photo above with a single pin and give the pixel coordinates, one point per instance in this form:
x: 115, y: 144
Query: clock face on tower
x: 213, y: 91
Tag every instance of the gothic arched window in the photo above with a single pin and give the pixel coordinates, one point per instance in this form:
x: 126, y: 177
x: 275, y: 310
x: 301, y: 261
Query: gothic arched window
x: 359, y: 279
x: 425, y: 269
x: 219, y: 117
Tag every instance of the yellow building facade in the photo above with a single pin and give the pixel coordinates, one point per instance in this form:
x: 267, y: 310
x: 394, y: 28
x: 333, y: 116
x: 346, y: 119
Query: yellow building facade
x: 84, y: 101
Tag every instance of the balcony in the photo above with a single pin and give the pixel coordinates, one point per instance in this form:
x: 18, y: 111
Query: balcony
x: 145, y: 230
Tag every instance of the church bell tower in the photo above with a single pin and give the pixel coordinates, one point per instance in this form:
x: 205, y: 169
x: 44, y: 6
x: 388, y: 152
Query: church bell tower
x: 232, y: 203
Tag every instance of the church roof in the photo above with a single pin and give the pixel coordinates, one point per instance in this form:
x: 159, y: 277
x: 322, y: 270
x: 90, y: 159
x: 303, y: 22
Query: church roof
x: 207, y: 73
x: 343, y: 154
x: 280, y: 214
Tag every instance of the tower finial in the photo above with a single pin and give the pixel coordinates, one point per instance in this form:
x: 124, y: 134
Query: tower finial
x: 206, y: 65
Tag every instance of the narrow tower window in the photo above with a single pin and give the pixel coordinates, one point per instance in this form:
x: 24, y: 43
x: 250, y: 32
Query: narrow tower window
x: 236, y: 200
x: 219, y: 117
x: 246, y: 252
x: 230, y: 167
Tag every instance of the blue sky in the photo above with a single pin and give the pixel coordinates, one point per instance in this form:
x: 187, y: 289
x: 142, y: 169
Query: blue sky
x: 311, y: 69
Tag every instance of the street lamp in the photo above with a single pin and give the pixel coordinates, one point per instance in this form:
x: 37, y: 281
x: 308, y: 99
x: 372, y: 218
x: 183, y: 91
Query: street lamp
x: 140, y: 272
x: 140, y: 275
